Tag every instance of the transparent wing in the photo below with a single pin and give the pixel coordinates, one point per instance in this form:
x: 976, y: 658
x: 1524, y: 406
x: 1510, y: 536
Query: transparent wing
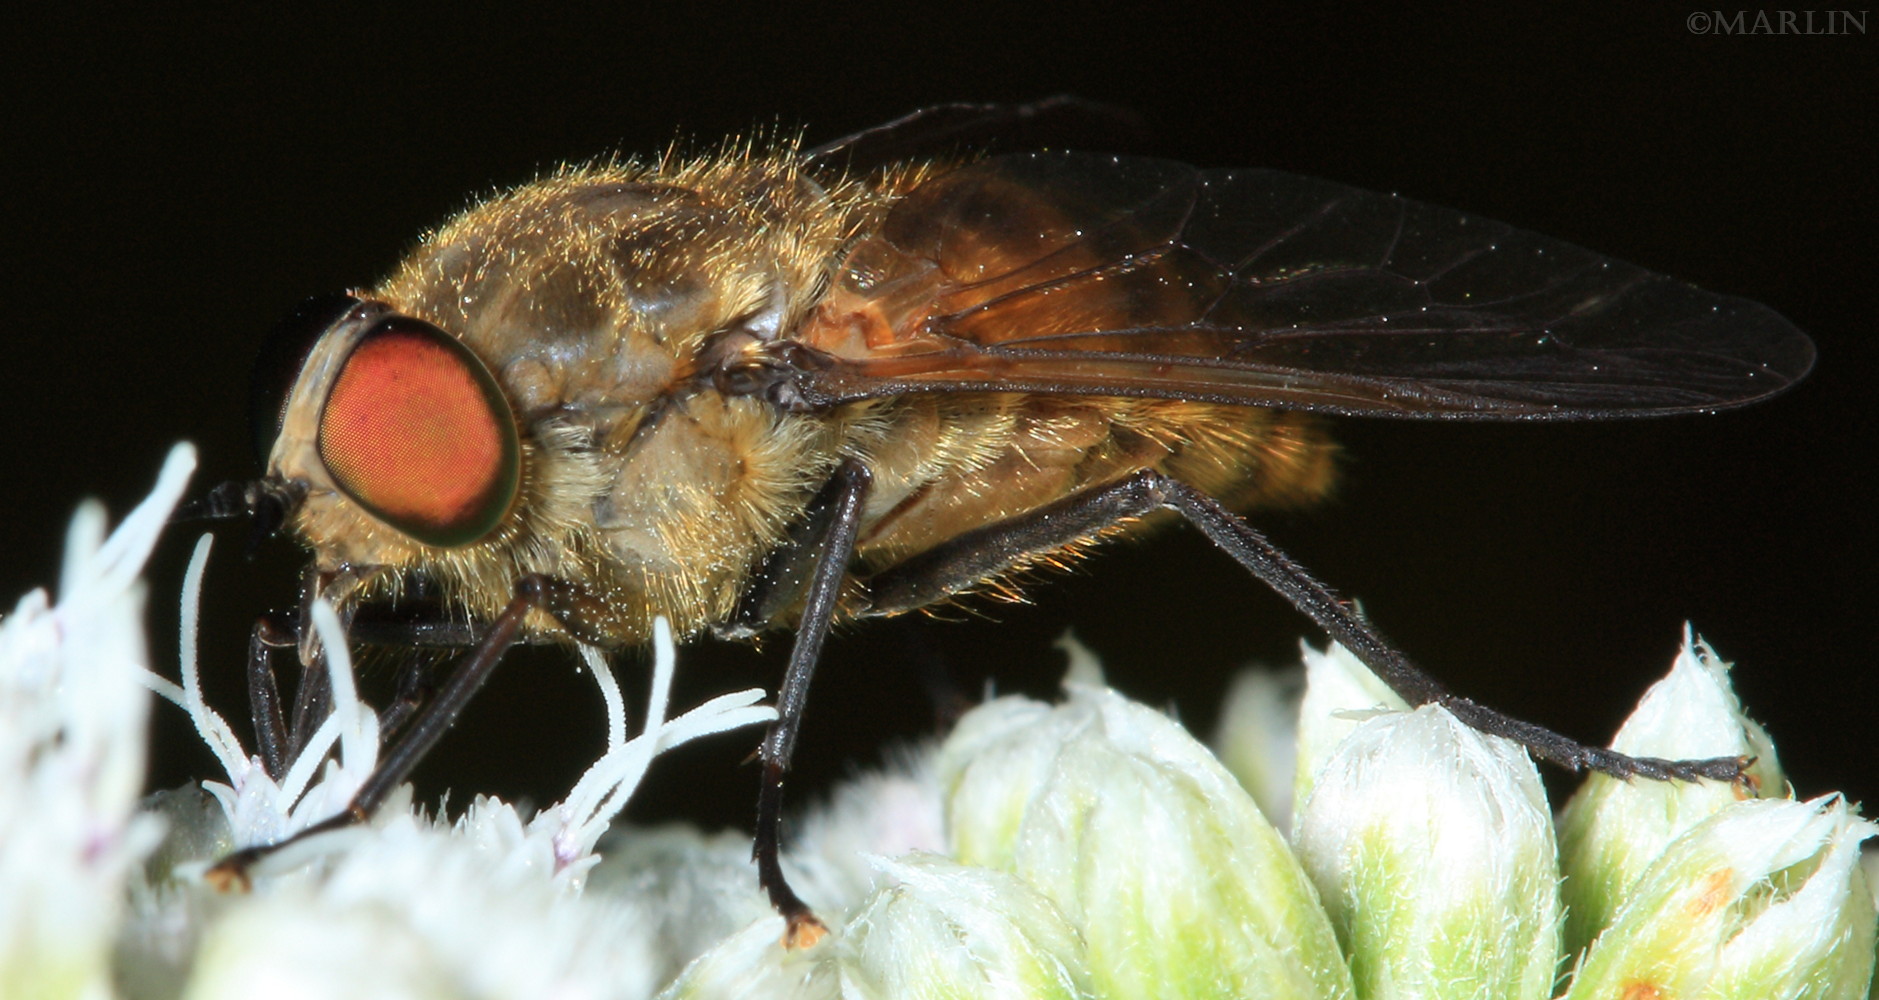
x: 1070, y: 273
x: 1062, y: 121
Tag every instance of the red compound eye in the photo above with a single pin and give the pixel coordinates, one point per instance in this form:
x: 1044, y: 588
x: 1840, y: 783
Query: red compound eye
x: 417, y: 432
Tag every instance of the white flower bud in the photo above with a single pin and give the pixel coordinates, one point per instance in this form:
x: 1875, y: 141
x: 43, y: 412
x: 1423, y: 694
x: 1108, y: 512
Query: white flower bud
x: 946, y: 931
x: 753, y: 963
x: 1176, y: 882
x: 1339, y: 692
x: 1257, y: 738
x: 1765, y: 898
x: 1612, y: 830
x: 1432, y: 847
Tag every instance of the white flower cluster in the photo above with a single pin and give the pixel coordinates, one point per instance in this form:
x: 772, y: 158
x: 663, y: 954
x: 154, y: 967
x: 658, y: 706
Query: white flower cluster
x: 73, y: 724
x: 1090, y: 848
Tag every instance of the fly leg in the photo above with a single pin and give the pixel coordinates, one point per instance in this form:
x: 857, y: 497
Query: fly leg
x: 415, y: 690
x: 425, y: 729
x: 993, y: 549
x: 280, y: 742
x: 264, y: 694
x: 812, y: 563
x: 313, y: 697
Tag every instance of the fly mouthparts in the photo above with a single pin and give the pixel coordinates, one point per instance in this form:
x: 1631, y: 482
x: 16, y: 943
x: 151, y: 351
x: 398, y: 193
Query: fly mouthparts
x: 267, y: 502
x: 223, y: 503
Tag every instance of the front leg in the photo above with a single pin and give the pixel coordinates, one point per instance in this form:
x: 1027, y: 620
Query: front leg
x: 426, y: 726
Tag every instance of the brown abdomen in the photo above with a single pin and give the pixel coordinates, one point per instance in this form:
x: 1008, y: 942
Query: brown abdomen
x: 949, y: 464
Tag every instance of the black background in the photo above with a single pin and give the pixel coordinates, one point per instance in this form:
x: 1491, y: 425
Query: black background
x: 178, y: 180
